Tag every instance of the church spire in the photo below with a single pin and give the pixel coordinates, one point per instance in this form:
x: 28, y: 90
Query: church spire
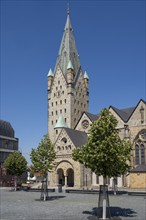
x: 68, y: 51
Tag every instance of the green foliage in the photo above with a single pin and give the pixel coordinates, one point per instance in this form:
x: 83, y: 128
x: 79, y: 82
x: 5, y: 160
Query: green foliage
x: 15, y: 164
x: 105, y: 153
x: 43, y: 157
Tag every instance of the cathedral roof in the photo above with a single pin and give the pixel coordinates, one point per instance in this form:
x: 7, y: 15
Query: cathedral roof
x: 6, y: 129
x: 78, y: 138
x: 92, y: 117
x: 139, y: 168
x: 124, y: 113
x: 68, y: 51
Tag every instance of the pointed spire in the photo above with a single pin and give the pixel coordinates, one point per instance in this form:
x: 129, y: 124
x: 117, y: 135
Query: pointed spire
x: 60, y: 123
x: 50, y: 73
x: 70, y: 66
x: 86, y: 75
x: 68, y: 50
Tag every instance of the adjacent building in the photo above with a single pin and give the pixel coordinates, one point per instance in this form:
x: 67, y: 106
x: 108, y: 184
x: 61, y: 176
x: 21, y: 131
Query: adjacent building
x: 8, y: 144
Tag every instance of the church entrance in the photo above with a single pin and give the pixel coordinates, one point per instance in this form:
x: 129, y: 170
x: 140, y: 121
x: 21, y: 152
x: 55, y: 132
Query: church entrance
x: 61, y: 178
x: 70, y: 177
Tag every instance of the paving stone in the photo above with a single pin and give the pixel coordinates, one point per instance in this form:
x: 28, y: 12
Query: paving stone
x: 22, y: 205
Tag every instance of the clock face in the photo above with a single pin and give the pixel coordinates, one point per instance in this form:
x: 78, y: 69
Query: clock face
x: 85, y: 124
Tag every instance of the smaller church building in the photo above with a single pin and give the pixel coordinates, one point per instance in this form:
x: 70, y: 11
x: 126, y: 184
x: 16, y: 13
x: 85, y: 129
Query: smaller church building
x: 69, y: 122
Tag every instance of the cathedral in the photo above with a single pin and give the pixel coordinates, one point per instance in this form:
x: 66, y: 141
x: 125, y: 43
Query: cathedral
x: 69, y: 122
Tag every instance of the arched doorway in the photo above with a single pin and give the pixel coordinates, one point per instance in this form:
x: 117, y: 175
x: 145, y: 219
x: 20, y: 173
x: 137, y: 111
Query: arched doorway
x: 61, y: 178
x: 70, y: 177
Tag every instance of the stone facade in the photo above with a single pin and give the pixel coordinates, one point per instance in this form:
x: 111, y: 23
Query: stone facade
x: 68, y: 97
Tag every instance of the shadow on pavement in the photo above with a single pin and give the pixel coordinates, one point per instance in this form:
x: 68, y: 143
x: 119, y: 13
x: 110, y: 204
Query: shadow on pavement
x: 50, y: 198
x: 115, y: 212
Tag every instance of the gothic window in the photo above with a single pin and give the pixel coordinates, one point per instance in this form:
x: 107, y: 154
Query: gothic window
x: 74, y: 101
x: 52, y: 104
x: 142, y: 154
x: 58, y: 82
x: 142, y: 114
x: 56, y: 88
x: 60, y: 102
x: 56, y: 112
x: 65, y: 119
x: 140, y: 146
x: 136, y: 154
x: 60, y: 111
x: 56, y: 102
x: 74, y: 110
x: 54, y: 94
x: 56, y: 131
x: 52, y: 122
x: 52, y: 113
x: 60, y: 87
x: 64, y: 100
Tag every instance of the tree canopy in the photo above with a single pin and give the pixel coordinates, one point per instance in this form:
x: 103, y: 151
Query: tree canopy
x: 15, y: 164
x: 43, y: 157
x: 104, y: 153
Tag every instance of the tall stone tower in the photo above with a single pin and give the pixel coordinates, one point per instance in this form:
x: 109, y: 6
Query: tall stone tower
x: 67, y: 86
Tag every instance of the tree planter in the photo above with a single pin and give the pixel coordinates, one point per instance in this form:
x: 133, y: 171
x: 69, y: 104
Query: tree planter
x: 103, y: 203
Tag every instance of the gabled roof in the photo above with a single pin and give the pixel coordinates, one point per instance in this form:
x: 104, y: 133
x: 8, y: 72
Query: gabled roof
x: 92, y: 117
x: 124, y: 114
x: 68, y: 50
x: 139, y: 168
x: 78, y: 138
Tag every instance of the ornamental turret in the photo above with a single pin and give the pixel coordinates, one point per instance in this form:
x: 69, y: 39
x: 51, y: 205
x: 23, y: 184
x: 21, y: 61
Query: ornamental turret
x: 50, y: 79
x: 70, y: 73
x: 86, y: 79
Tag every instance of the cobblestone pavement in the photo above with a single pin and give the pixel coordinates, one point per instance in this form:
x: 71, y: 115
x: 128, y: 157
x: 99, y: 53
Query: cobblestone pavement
x: 22, y: 205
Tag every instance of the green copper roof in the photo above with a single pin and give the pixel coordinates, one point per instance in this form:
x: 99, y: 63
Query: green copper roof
x: 60, y: 123
x: 50, y: 73
x: 70, y: 66
x: 86, y: 75
x: 68, y: 51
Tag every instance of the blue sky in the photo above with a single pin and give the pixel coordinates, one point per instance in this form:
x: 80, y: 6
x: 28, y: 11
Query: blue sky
x: 110, y: 38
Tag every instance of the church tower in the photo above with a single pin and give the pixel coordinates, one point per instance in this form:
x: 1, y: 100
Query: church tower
x: 67, y: 86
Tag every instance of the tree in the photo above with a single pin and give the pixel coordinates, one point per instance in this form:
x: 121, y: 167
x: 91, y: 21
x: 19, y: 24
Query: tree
x: 15, y: 165
x: 43, y: 158
x: 104, y: 153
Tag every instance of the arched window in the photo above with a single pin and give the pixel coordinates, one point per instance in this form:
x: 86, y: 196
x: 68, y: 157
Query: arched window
x: 140, y: 148
x: 142, y: 154
x: 136, y: 154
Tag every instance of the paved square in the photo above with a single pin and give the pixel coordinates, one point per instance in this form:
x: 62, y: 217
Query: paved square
x: 22, y: 205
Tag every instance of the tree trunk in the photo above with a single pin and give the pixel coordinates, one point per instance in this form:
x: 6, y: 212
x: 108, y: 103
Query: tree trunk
x: 104, y: 200
x: 15, y: 183
x: 45, y: 187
